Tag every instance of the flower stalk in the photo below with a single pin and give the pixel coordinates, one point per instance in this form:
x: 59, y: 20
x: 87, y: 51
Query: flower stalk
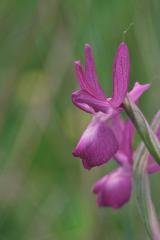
x: 141, y: 178
x: 142, y: 187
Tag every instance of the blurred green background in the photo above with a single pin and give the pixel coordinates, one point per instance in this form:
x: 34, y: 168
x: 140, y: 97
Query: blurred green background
x: 44, y: 192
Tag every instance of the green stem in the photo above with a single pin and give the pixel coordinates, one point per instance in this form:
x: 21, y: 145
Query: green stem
x: 142, y: 185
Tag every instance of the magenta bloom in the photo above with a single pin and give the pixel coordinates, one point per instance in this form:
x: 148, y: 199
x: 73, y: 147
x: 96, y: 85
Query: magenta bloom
x: 114, y: 190
x: 99, y: 141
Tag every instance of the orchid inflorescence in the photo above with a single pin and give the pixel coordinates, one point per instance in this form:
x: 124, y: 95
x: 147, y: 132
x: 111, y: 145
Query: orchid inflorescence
x: 108, y: 136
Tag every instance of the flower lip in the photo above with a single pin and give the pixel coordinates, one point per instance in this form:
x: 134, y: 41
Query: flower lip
x: 97, y: 144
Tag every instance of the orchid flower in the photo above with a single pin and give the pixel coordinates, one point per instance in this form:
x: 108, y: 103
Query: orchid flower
x: 99, y: 143
x: 109, y: 188
x: 114, y: 189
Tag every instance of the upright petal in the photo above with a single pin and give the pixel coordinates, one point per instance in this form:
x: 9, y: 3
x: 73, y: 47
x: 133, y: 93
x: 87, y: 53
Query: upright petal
x: 121, y: 71
x: 80, y: 75
x: 88, y: 103
x: 114, y: 190
x: 97, y: 144
x: 138, y: 90
x: 90, y: 74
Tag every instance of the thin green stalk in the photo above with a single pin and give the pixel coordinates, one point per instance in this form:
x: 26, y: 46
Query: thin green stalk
x: 141, y: 177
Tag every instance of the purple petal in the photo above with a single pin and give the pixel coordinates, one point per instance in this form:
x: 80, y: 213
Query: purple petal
x: 114, y: 190
x: 86, y: 165
x: 124, y: 132
x: 80, y: 75
x: 126, y: 145
x: 118, y: 126
x: 97, y: 144
x: 153, y: 166
x: 88, y: 103
x: 90, y: 74
x: 79, y: 101
x: 98, y: 186
x: 121, y: 71
x: 138, y: 90
x: 121, y: 158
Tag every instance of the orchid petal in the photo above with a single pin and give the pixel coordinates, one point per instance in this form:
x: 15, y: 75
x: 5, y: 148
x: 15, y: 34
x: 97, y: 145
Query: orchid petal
x: 124, y: 132
x: 99, y: 184
x: 153, y: 166
x: 86, y: 165
x: 90, y: 74
x: 80, y: 75
x: 88, y: 103
x: 118, y: 126
x: 97, y: 144
x: 80, y: 102
x: 109, y: 188
x: 127, y: 141
x: 121, y: 158
x: 138, y: 90
x: 121, y: 71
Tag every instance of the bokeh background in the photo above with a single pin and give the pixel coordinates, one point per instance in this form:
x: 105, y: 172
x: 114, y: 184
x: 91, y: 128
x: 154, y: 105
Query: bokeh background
x: 45, y: 194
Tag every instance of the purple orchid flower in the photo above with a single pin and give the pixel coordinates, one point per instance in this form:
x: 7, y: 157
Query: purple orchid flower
x: 99, y: 142
x: 114, y: 189
x: 109, y: 188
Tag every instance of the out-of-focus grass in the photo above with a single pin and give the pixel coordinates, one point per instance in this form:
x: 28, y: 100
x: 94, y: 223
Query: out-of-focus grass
x: 44, y: 192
